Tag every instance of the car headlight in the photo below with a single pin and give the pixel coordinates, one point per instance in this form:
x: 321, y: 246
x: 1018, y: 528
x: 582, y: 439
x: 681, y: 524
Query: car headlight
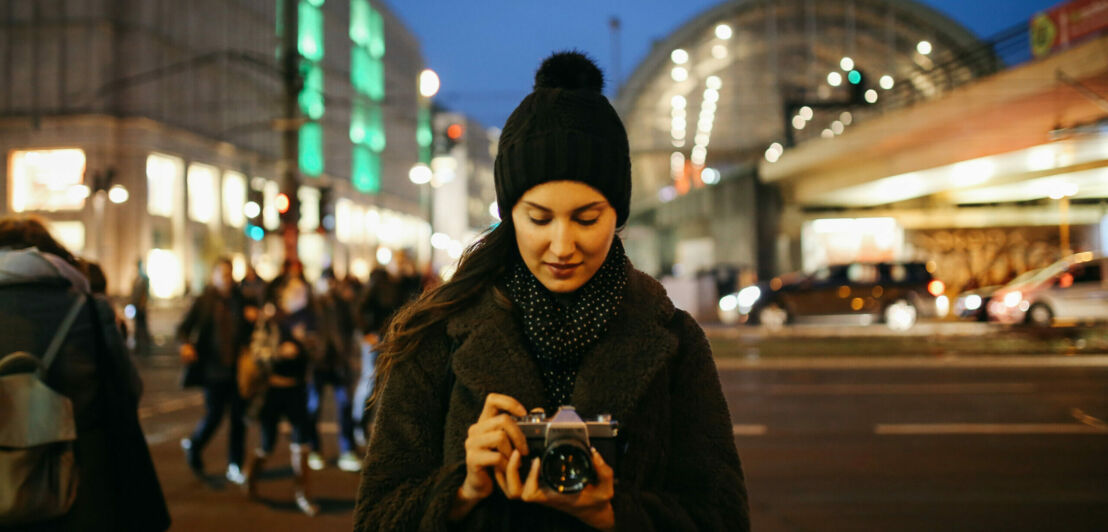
x: 747, y: 297
x: 973, y: 302
x: 1011, y: 299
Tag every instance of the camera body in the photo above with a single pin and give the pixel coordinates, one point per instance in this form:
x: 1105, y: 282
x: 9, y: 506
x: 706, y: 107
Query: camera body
x: 562, y: 443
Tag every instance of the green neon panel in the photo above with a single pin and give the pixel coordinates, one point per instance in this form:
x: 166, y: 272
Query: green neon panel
x: 375, y: 137
x: 376, y: 89
x: 360, y: 70
x: 360, y: 22
x: 359, y: 122
x: 424, y: 136
x: 376, y: 34
x: 365, y: 170
x: 310, y: 38
x: 311, y: 95
x: 316, y: 3
x: 311, y: 149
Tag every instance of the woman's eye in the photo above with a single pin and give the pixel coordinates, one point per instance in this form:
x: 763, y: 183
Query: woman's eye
x: 587, y: 221
x: 540, y: 221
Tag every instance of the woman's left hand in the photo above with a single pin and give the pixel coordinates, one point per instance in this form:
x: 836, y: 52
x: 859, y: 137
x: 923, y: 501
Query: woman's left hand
x: 592, y: 505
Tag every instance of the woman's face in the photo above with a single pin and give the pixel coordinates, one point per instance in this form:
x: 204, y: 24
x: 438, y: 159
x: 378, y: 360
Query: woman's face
x: 563, y: 230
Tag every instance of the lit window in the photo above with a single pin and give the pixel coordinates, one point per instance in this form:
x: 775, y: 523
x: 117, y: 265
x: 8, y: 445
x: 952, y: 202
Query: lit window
x: 309, y: 208
x: 271, y: 219
x: 202, y: 181
x: 69, y: 234
x: 234, y: 198
x: 47, y: 180
x: 343, y: 220
x: 166, y: 276
x: 163, y: 173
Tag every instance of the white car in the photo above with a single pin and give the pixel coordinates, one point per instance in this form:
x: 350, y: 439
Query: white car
x: 1074, y: 288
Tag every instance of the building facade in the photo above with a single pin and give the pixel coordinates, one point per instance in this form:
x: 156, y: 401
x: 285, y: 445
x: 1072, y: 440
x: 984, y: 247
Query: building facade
x: 744, y: 82
x: 152, y: 130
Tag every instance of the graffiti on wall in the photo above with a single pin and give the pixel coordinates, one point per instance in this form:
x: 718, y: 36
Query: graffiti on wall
x: 970, y: 258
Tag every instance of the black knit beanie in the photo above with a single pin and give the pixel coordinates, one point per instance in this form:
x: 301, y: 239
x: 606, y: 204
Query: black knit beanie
x: 564, y: 131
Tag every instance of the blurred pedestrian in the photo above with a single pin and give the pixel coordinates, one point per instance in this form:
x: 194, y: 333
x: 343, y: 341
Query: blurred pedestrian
x: 253, y: 289
x: 290, y: 269
x: 292, y: 325
x: 333, y: 368
x: 211, y: 336
x: 388, y: 289
x: 98, y: 284
x: 139, y: 300
x: 40, y: 283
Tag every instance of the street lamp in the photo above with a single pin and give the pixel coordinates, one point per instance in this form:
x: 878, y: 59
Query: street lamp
x: 428, y: 83
x: 420, y: 174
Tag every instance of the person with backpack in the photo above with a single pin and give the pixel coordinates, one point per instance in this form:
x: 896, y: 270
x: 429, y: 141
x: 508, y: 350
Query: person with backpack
x: 211, y: 337
x: 81, y: 385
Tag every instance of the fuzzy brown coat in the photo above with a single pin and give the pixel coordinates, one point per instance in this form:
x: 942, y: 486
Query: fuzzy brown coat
x: 653, y: 371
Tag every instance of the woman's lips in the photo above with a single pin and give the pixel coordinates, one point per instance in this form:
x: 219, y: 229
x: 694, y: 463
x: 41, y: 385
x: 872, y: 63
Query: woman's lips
x: 561, y: 271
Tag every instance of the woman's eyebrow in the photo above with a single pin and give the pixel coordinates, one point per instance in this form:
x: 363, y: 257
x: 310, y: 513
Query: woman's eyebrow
x: 577, y: 210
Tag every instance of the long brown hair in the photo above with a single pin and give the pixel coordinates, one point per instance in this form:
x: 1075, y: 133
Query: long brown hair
x: 482, y: 264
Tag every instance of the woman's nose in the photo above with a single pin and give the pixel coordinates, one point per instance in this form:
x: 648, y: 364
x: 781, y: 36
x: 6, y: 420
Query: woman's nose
x: 562, y: 243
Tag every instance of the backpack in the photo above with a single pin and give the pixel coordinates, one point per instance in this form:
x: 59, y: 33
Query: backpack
x: 38, y: 471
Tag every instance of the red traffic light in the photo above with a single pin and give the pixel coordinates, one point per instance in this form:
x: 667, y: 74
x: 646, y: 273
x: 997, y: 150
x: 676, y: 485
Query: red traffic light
x: 282, y: 203
x: 454, y: 131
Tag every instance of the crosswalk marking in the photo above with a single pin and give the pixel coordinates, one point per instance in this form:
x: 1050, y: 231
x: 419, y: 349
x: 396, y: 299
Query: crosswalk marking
x: 903, y: 429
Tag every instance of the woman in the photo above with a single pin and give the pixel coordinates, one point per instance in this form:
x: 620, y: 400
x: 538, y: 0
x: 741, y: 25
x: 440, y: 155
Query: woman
x: 292, y: 330
x: 547, y: 311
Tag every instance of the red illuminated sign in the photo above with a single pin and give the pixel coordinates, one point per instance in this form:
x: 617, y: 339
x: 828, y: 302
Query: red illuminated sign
x: 1063, y: 24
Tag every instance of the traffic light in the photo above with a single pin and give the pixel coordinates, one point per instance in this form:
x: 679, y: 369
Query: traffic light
x: 253, y: 211
x: 326, y: 209
x: 449, y: 138
x: 857, y: 80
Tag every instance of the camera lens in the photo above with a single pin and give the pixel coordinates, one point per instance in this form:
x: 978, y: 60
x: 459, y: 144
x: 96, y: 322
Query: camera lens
x: 567, y: 466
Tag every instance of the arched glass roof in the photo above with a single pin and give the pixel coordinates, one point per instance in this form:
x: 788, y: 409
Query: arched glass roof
x: 745, y: 74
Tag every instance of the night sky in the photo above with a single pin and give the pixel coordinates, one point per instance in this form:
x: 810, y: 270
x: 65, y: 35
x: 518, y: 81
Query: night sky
x: 486, y: 51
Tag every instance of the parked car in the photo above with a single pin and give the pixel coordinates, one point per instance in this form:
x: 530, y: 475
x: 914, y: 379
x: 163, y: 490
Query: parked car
x: 974, y: 304
x: 896, y: 293
x: 1075, y: 287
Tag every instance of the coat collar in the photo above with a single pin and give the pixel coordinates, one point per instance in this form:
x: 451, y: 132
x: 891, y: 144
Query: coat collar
x: 492, y: 356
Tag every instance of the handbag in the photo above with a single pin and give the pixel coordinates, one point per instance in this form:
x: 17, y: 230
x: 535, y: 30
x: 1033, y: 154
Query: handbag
x: 254, y: 364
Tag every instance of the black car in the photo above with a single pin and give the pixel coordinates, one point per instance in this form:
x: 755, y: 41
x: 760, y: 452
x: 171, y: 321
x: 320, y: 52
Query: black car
x: 895, y: 293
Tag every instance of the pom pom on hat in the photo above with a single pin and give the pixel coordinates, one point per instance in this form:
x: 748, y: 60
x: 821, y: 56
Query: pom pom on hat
x: 565, y: 130
x: 569, y: 70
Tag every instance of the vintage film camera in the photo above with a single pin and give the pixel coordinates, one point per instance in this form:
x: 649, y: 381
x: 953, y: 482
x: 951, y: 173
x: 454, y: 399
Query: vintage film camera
x: 562, y: 443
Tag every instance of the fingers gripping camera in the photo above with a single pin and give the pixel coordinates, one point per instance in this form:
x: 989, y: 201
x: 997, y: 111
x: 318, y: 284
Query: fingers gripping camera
x: 562, y: 442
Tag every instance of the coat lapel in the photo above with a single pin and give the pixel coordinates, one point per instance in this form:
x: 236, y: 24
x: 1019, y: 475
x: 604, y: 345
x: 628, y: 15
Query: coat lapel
x: 492, y: 355
x: 615, y: 374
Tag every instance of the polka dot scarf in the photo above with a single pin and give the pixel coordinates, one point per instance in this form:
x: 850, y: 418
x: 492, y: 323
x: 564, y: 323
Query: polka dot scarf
x: 560, y: 330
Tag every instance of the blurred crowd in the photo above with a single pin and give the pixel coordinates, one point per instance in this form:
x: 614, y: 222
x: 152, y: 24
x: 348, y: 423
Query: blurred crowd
x: 261, y: 351
x: 267, y: 351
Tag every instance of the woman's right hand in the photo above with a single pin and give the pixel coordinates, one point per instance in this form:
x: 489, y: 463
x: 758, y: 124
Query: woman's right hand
x: 489, y: 445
